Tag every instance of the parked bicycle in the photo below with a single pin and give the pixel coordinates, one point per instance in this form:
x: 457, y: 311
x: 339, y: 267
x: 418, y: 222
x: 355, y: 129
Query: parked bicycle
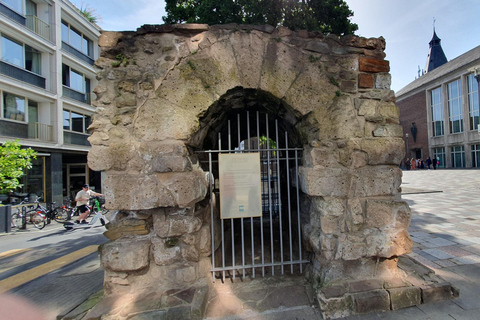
x: 50, y: 213
x: 30, y: 216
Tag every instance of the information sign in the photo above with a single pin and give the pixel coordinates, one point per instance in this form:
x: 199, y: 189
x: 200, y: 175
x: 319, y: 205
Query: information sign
x: 240, y: 185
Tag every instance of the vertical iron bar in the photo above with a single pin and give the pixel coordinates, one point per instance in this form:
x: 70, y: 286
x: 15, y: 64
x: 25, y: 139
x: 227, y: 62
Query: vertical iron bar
x: 289, y: 203
x: 298, y: 213
x: 279, y: 206
x: 221, y: 220
x: 241, y: 220
x: 251, y: 219
x: 210, y: 176
x: 231, y: 220
x: 261, y: 216
x: 269, y: 193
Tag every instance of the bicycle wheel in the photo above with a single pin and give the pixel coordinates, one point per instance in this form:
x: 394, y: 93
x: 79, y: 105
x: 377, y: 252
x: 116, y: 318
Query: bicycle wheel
x: 60, y: 215
x: 37, y: 219
x: 16, y: 220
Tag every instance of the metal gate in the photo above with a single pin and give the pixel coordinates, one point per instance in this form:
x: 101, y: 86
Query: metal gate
x: 272, y: 242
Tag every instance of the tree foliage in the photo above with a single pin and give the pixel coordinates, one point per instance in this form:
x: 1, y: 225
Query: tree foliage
x: 13, y: 162
x: 327, y: 16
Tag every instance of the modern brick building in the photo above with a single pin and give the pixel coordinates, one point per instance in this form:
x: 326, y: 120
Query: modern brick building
x: 439, y: 111
x: 47, y: 75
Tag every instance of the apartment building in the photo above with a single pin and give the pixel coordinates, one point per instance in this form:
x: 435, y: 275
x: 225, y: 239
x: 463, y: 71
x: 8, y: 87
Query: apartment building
x: 47, y: 76
x: 439, y: 111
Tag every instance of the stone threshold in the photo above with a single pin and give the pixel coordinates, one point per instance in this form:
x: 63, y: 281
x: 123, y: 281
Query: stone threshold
x: 420, y: 286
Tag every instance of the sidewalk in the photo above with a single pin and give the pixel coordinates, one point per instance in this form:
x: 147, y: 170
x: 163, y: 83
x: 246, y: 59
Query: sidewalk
x: 445, y: 228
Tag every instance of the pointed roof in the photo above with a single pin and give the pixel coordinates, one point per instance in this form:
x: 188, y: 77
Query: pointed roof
x: 436, y: 57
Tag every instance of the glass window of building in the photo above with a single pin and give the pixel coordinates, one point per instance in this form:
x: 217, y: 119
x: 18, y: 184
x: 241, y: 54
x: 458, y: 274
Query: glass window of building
x: 76, y: 39
x: 457, y: 155
x: 473, y: 106
x: 13, y: 107
x: 32, y: 111
x: 12, y: 52
x: 74, y: 79
x: 74, y: 121
x: 16, y: 5
x: 439, y: 154
x: 33, y: 60
x: 475, y: 155
x: 455, y: 106
x: 22, y: 56
x: 437, y: 112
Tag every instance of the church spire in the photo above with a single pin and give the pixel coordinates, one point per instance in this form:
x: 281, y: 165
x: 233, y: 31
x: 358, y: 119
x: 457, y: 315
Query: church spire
x: 436, y: 57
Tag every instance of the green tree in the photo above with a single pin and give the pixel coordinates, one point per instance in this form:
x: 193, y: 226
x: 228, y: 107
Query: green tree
x: 327, y: 16
x: 13, y: 162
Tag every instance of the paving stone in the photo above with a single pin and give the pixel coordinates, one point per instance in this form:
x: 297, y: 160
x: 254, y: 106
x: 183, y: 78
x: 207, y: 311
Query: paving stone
x: 371, y: 301
x: 334, y: 291
x: 405, y: 297
x: 438, y: 253
x: 472, y: 259
x: 436, y: 292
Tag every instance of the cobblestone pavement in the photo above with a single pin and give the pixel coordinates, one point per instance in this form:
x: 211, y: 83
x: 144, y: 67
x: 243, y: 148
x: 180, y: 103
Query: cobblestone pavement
x: 445, y: 229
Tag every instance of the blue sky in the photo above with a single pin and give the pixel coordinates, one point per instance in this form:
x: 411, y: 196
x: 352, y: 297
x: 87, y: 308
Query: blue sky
x: 406, y: 25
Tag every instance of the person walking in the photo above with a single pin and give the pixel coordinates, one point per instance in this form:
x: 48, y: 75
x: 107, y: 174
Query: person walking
x: 434, y: 163
x: 429, y: 162
x: 82, y: 198
x: 413, y: 164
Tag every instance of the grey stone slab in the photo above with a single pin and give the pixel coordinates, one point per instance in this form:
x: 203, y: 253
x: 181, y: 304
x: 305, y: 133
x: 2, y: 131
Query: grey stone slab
x: 472, y: 259
x: 438, y: 253
x: 466, y: 315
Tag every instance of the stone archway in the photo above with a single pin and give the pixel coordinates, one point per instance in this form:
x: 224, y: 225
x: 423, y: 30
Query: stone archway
x: 159, y: 94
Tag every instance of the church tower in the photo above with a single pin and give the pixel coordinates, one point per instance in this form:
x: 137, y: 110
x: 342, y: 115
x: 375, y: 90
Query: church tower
x: 436, y: 57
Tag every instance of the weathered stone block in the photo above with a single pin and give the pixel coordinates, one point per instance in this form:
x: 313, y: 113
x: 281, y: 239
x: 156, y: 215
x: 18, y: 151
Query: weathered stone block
x: 333, y: 308
x: 371, y: 301
x: 333, y: 182
x: 436, y: 292
x: 367, y: 64
x: 125, y: 227
x: 405, y: 297
x: 125, y: 255
x: 175, y: 226
x: 365, y: 80
x: 383, y: 151
x: 334, y: 291
x: 376, y: 181
x: 163, y: 254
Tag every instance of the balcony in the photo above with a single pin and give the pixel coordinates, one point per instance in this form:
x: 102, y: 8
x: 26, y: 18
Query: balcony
x: 38, y: 26
x: 75, y: 95
x: 40, y: 131
x: 15, y: 72
x: 13, y: 129
x: 12, y: 14
x: 78, y: 54
x: 75, y: 138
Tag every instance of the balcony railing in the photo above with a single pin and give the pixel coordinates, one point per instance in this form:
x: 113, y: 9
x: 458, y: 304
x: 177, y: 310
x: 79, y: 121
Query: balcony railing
x: 13, y: 71
x: 12, y: 14
x: 38, y: 26
x: 76, y: 53
x: 40, y: 131
x: 73, y: 94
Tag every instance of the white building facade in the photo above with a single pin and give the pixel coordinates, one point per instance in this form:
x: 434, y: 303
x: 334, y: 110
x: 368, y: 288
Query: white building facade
x: 47, y: 76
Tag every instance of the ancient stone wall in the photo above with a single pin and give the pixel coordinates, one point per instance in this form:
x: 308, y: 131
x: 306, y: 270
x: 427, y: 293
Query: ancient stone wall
x: 159, y: 84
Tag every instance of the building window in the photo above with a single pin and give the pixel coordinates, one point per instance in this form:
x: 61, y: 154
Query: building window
x: 76, y: 39
x: 13, y: 107
x: 437, y: 112
x: 473, y: 101
x: 73, y: 121
x: 475, y: 155
x: 458, y: 156
x: 455, y: 106
x: 21, y: 55
x: 16, y: 5
x: 439, y: 154
x: 75, y: 80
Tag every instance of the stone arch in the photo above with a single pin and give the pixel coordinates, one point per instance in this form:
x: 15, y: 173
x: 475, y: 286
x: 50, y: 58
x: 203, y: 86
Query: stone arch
x: 161, y: 91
